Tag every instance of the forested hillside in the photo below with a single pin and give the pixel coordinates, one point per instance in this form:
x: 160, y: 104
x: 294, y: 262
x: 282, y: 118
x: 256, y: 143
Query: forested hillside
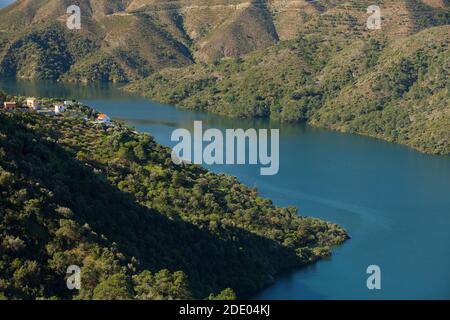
x: 397, y: 91
x: 112, y: 45
x: 112, y: 202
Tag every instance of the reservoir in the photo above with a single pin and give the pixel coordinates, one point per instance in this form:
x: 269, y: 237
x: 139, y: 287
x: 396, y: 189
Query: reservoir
x: 394, y: 201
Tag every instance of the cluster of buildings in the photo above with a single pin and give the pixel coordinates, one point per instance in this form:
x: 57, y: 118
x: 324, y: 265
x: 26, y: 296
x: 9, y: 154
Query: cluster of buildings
x: 33, y: 104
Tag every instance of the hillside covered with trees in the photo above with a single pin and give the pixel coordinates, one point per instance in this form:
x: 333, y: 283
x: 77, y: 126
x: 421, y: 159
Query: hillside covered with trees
x: 397, y: 91
x: 111, y: 201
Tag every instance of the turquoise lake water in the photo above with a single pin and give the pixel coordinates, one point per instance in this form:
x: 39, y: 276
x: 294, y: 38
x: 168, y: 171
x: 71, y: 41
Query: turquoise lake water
x: 394, y: 201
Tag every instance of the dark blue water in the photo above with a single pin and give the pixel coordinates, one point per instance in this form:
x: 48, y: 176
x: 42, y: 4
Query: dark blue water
x: 395, y: 202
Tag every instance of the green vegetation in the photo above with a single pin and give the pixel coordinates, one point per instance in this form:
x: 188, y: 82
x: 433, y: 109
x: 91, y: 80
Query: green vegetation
x: 394, y: 91
x: 113, y: 48
x: 112, y: 202
x: 299, y: 61
x: 45, y: 53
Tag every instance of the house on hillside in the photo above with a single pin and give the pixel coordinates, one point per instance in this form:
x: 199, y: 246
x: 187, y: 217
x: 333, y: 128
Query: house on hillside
x: 33, y: 103
x: 103, y: 118
x: 11, y: 105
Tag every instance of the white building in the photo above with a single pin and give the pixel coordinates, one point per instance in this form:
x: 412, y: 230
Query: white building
x: 59, y: 108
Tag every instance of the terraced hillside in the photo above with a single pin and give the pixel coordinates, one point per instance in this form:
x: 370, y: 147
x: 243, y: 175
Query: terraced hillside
x: 123, y: 40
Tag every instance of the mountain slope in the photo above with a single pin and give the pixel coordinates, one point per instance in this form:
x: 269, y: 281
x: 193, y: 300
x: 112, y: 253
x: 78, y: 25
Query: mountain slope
x: 139, y: 37
x: 125, y: 46
x: 112, y: 202
x: 404, y: 98
x: 398, y: 91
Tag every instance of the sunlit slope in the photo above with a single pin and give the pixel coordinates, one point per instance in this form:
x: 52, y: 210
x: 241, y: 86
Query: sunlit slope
x: 121, y: 46
x: 174, y: 33
x: 395, y: 90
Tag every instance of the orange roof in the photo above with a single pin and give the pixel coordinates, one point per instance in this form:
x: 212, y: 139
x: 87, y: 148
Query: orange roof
x: 102, y: 116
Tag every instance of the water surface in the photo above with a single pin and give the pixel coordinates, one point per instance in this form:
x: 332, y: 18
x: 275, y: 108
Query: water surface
x: 394, y: 201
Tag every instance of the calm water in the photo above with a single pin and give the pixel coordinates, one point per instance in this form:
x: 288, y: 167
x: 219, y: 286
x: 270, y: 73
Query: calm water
x: 394, y: 201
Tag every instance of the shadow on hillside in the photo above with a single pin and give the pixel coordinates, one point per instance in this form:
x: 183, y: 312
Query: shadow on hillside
x: 245, y: 264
